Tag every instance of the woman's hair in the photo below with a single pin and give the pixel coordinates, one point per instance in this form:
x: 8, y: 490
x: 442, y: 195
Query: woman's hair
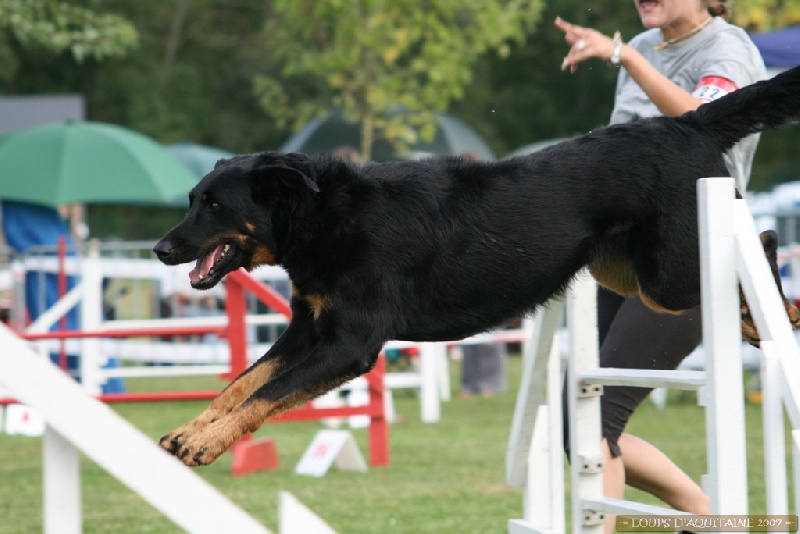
x: 720, y: 8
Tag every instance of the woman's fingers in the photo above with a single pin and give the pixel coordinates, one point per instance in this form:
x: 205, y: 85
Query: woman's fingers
x: 574, y: 36
x: 566, y: 27
x: 584, y: 43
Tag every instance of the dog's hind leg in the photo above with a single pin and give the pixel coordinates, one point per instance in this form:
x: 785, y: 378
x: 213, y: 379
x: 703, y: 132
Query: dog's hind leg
x: 666, y: 260
x: 671, y: 283
x: 769, y: 240
x: 297, y: 341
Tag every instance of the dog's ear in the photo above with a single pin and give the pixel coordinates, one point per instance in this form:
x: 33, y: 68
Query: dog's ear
x: 291, y: 170
x: 265, y: 181
x: 221, y: 162
x: 291, y: 178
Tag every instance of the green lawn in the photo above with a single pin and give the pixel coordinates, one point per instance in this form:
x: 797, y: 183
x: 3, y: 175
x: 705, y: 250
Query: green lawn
x: 444, y: 477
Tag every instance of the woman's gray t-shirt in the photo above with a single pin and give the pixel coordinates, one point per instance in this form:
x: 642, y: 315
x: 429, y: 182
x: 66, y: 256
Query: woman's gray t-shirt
x: 721, y: 50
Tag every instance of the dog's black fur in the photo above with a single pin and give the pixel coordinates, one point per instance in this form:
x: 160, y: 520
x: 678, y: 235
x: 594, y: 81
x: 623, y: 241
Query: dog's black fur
x: 444, y: 248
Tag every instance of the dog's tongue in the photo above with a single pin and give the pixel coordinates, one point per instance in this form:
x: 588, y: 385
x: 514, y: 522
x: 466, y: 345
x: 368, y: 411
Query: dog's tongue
x: 205, y: 264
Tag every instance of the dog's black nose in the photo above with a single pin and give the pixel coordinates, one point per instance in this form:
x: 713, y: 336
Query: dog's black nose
x: 163, y: 249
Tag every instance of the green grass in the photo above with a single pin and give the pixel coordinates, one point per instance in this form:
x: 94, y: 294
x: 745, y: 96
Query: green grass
x: 444, y: 477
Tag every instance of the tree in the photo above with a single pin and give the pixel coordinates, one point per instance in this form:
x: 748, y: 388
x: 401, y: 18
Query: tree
x: 526, y: 98
x: 58, y: 26
x: 372, y: 58
x: 764, y: 15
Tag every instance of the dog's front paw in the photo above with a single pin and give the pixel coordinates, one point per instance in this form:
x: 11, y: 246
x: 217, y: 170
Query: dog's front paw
x: 173, y: 441
x: 201, y: 448
x: 793, y: 313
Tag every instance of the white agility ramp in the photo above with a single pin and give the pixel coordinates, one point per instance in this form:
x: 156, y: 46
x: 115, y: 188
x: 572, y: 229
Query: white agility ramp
x: 78, y: 421
x: 296, y: 518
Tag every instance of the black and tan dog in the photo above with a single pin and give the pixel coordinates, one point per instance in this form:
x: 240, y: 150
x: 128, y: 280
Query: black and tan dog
x: 444, y: 248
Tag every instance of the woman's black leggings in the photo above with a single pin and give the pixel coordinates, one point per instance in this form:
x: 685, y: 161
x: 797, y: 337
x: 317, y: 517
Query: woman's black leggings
x: 632, y: 336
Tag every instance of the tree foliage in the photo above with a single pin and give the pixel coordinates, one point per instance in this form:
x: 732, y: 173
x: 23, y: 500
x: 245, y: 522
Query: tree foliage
x: 764, y: 15
x: 373, y: 57
x: 59, y: 26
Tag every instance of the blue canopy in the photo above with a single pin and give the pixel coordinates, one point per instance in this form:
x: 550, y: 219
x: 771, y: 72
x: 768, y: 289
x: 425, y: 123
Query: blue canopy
x: 779, y: 48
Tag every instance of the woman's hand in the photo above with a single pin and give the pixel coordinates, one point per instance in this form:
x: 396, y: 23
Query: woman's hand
x: 587, y: 43
x: 584, y: 43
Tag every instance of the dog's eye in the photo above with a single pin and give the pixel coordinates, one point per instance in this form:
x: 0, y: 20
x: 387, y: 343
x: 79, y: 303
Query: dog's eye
x: 214, y: 206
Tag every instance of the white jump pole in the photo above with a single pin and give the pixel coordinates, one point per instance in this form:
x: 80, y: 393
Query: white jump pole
x: 61, y: 469
x: 726, y: 482
x: 92, y: 359
x: 774, y: 435
x: 584, y: 409
x: 430, y: 398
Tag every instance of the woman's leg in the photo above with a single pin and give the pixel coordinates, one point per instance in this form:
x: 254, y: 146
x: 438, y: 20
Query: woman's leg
x: 639, y: 338
x: 645, y: 467
x: 650, y: 470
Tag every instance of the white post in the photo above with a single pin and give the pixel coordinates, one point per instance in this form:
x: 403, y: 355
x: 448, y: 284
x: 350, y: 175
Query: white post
x: 531, y: 394
x: 796, y: 466
x: 443, y: 371
x: 429, y: 387
x: 555, y: 381
x: 585, y: 431
x: 544, y: 492
x: 91, y: 359
x: 535, y: 457
x: 727, y: 477
x: 774, y: 434
x: 61, y: 473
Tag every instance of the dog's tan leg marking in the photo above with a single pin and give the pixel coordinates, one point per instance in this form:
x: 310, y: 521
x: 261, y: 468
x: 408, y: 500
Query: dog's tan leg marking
x: 655, y: 306
x: 749, y: 330
x: 616, y: 274
x: 318, y: 304
x: 231, y: 397
x: 792, y: 312
x: 205, y: 446
x: 262, y: 256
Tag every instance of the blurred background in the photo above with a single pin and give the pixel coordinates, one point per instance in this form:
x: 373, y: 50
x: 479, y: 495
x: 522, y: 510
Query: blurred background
x: 251, y: 75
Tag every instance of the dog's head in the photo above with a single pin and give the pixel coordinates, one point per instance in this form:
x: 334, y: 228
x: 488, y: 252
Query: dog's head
x: 230, y: 222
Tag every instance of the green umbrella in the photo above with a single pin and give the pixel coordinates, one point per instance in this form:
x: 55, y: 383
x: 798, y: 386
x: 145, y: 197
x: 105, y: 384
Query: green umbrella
x: 199, y: 158
x: 67, y: 162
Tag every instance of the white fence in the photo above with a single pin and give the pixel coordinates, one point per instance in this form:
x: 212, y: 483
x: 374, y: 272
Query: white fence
x: 206, y: 356
x: 731, y: 253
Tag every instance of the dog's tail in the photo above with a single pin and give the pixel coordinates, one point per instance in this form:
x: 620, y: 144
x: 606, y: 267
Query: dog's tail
x: 765, y: 105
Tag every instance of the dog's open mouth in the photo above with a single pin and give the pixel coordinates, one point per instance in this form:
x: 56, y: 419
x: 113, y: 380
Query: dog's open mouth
x: 212, y: 267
